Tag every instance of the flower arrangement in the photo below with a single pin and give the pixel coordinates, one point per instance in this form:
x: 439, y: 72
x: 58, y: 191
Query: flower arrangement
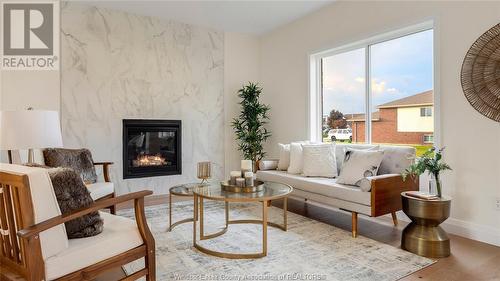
x: 431, y: 161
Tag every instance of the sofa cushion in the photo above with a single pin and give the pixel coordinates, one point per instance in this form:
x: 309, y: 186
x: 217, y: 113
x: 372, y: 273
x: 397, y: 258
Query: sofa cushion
x: 79, y: 160
x: 396, y: 158
x: 100, y: 189
x: 322, y: 186
x: 120, y: 235
x: 45, y: 206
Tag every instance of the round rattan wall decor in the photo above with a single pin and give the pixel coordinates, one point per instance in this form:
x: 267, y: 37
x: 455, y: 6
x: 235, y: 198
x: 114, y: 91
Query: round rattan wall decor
x: 481, y: 74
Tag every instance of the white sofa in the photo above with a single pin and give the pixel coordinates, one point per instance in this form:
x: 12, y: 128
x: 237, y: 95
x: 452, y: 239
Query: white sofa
x: 382, y: 197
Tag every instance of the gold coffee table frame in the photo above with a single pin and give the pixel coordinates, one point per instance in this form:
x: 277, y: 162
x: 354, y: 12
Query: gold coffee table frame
x: 272, y: 191
x: 182, y: 190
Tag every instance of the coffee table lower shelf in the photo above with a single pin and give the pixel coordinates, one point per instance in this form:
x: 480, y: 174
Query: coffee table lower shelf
x: 199, y: 216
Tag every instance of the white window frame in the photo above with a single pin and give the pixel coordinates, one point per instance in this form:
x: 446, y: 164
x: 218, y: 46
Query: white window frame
x: 427, y: 110
x: 315, y: 80
x: 430, y: 136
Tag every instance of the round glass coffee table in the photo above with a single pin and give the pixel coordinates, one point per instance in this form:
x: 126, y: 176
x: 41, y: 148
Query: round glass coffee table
x: 183, y: 190
x: 272, y: 191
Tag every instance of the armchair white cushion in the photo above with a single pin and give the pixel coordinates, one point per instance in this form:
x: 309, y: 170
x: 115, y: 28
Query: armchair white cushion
x: 99, y: 190
x: 54, y: 240
x: 119, y: 235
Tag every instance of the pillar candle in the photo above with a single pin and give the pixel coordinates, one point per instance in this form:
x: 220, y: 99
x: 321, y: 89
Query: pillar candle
x: 240, y: 182
x: 233, y: 176
x: 249, y: 178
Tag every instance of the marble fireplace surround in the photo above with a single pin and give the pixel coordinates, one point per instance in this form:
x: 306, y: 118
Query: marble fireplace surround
x: 116, y: 66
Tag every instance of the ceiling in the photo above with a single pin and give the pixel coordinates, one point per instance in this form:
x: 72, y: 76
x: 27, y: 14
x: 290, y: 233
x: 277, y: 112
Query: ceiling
x: 256, y: 17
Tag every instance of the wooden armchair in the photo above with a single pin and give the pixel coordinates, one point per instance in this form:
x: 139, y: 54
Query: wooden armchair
x: 34, y: 245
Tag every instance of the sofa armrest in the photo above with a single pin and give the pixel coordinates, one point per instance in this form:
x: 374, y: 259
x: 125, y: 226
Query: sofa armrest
x: 35, y: 230
x: 386, y: 192
x: 105, y: 169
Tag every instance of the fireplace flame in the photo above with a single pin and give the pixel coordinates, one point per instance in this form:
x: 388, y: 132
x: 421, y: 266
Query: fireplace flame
x: 149, y: 160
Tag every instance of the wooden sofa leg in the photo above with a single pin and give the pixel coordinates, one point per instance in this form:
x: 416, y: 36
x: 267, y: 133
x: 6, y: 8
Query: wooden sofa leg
x: 354, y: 224
x: 112, y: 210
x: 394, y: 218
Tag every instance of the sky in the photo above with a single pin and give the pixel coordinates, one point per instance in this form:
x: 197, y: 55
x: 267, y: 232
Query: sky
x: 400, y: 67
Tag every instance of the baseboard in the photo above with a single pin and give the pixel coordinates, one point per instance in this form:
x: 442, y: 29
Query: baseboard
x: 454, y: 226
x: 461, y: 228
x: 473, y: 231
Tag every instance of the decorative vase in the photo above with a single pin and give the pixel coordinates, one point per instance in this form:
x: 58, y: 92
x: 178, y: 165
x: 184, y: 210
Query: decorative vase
x: 256, y: 166
x: 435, y: 186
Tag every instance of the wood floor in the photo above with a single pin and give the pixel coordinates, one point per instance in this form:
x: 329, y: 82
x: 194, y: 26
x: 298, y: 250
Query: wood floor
x: 470, y: 260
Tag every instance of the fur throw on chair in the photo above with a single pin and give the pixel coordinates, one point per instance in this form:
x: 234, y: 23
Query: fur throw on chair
x: 72, y: 194
x: 80, y: 160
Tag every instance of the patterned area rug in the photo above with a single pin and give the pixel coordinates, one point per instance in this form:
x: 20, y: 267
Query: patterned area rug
x: 309, y: 250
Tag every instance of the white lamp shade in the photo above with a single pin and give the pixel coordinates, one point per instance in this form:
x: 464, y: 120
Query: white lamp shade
x: 27, y: 129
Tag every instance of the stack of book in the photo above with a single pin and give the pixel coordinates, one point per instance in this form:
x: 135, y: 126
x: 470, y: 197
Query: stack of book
x: 422, y: 195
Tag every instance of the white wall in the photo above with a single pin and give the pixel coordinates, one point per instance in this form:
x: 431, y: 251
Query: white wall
x: 241, y: 65
x: 117, y: 65
x: 21, y: 89
x: 472, y: 141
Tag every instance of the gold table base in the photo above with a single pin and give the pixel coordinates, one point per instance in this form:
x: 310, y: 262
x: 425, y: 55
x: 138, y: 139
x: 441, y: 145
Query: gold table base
x: 172, y: 225
x: 199, y: 215
x: 423, y: 236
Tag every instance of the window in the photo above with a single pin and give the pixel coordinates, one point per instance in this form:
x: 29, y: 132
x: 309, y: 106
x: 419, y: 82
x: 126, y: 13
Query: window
x: 426, y: 112
x: 376, y: 91
x: 428, y: 138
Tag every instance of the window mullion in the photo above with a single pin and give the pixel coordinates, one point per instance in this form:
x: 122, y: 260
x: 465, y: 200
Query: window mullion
x: 368, y: 101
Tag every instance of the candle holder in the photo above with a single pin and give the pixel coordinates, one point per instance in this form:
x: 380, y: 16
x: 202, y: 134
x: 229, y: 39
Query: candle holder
x: 204, y: 171
x: 258, y: 186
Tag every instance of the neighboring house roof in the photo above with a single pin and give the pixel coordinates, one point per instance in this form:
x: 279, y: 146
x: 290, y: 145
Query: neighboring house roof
x: 425, y: 98
x: 357, y: 117
x: 422, y: 99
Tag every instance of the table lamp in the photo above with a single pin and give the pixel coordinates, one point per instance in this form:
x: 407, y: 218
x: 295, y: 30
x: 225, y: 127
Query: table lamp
x: 29, y: 129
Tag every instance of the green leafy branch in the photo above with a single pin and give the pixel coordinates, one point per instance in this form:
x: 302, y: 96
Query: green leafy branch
x: 249, y: 127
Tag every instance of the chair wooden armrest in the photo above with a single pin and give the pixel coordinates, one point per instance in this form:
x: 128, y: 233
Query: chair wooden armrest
x: 105, y: 169
x: 386, y: 193
x: 138, y: 197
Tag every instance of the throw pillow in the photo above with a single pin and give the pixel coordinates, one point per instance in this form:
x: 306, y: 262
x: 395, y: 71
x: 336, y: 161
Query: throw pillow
x: 319, y: 160
x: 359, y: 164
x: 284, y: 160
x: 80, y: 160
x: 341, y: 149
x: 296, y: 160
x: 72, y: 194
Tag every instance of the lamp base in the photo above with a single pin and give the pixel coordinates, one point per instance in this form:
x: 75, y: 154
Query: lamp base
x: 31, y: 156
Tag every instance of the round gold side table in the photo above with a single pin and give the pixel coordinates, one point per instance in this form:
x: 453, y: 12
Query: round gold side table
x: 423, y: 236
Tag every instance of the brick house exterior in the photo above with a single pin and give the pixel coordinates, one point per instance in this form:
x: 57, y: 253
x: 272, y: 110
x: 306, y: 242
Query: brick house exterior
x: 385, y: 122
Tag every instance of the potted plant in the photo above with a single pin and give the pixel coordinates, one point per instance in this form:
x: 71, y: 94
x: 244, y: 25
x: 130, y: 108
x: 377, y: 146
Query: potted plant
x: 249, y: 127
x: 430, y: 161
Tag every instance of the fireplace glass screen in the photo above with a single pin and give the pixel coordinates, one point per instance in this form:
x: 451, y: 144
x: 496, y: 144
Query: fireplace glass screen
x: 151, y: 148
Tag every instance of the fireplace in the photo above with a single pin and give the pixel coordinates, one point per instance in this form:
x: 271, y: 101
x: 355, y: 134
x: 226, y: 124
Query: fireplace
x: 151, y: 148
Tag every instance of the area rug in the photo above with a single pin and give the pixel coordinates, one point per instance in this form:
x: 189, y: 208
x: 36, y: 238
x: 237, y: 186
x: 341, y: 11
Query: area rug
x: 309, y: 250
